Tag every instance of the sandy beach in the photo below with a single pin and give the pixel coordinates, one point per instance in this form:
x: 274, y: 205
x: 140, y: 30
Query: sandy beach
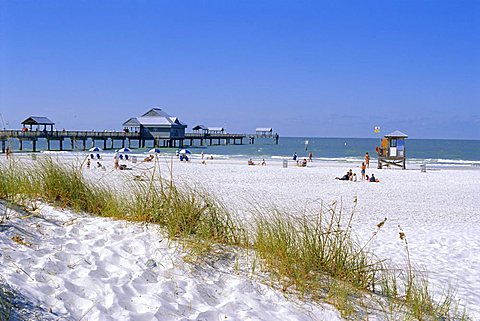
x: 81, y: 267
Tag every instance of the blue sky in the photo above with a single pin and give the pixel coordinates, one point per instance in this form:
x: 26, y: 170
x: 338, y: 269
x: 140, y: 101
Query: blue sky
x: 305, y: 68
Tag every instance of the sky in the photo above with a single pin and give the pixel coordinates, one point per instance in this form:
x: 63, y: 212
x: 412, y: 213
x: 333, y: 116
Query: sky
x: 304, y: 68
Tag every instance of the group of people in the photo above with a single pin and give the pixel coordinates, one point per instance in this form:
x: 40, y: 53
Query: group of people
x: 302, y: 163
x: 89, y: 163
x: 262, y: 163
x: 351, y: 176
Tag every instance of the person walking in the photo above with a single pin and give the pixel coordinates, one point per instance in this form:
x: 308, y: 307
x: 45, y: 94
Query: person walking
x: 367, y: 160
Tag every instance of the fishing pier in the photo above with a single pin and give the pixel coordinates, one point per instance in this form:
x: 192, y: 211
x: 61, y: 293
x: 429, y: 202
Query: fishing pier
x: 153, y: 129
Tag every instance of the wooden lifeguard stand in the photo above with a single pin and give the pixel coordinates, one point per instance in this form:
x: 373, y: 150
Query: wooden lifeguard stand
x: 392, y: 150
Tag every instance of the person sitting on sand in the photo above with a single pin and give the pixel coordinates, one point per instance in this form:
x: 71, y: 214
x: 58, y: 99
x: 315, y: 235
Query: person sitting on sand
x: 99, y: 164
x: 98, y: 156
x: 373, y: 179
x: 263, y: 162
x: 366, y: 178
x: 354, y: 177
x: 345, y: 177
x: 250, y: 162
x: 148, y: 158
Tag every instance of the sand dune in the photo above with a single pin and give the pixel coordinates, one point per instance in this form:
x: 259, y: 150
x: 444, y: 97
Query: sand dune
x: 98, y: 269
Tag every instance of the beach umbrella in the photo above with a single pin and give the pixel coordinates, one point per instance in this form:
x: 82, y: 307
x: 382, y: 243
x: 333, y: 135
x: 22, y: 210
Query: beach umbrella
x: 124, y: 150
x: 184, y: 151
x: 95, y: 149
x: 154, y: 150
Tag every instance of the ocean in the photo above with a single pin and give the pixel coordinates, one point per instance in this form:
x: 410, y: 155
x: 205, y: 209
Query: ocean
x: 436, y: 151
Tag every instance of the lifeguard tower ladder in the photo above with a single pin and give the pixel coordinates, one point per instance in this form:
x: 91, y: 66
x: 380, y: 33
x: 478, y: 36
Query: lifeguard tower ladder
x: 392, y: 150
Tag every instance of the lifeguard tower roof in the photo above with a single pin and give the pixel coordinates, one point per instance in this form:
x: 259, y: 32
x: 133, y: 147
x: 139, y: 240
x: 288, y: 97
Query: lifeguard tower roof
x: 397, y: 134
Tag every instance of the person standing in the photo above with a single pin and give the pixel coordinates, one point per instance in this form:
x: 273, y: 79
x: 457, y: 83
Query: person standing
x: 363, y: 167
x: 295, y: 156
x: 367, y: 160
x: 310, y: 156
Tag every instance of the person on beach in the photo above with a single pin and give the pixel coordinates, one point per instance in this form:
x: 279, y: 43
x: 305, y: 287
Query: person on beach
x: 88, y: 162
x: 202, y: 154
x: 295, y: 156
x: 373, y: 179
x: 310, y: 156
x: 115, y: 163
x: 367, y: 160
x: 363, y: 167
x: 354, y: 177
x: 99, y: 164
x: 345, y: 177
x: 8, y: 152
x: 263, y: 162
x: 250, y: 162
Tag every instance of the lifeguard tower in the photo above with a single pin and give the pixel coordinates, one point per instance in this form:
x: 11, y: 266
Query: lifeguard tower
x: 392, y: 150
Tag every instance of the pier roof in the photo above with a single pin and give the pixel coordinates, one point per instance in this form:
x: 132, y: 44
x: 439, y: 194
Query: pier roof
x: 198, y: 127
x: 154, y: 117
x: 216, y: 129
x: 37, y: 120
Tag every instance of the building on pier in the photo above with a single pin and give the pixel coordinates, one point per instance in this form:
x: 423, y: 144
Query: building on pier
x: 200, y: 129
x: 216, y: 130
x: 38, y: 121
x: 157, y: 125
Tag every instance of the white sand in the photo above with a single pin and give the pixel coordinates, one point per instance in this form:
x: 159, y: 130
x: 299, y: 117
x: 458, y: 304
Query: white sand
x: 104, y: 269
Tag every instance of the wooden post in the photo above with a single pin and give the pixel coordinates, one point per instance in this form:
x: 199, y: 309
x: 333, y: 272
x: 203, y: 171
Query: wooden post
x: 48, y: 144
x: 34, y: 145
x: 84, y: 147
x: 21, y: 144
x: 104, y: 144
x: 61, y: 144
x: 3, y: 146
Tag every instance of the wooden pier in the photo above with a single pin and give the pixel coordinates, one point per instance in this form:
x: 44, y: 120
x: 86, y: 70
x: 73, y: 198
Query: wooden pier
x: 107, y: 139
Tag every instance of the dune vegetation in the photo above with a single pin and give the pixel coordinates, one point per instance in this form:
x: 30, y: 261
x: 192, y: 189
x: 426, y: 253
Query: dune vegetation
x: 315, y: 256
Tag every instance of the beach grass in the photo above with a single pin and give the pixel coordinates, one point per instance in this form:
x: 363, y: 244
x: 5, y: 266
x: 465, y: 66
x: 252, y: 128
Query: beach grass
x: 314, y: 255
x: 6, y: 306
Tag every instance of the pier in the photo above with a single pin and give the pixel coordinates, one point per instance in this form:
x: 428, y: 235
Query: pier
x: 155, y: 128
x: 106, y: 140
